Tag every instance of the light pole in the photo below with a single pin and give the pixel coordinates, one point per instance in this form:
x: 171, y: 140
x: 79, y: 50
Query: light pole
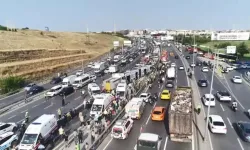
x: 210, y: 93
x: 193, y: 53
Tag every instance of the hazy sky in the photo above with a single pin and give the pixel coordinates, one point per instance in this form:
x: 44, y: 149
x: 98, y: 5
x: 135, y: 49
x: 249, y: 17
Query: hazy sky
x: 74, y: 15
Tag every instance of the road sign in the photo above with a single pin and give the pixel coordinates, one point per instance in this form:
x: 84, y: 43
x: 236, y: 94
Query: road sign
x: 231, y: 49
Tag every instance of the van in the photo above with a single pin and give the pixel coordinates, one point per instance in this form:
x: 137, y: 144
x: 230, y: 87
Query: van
x: 148, y: 141
x: 134, y: 108
x: 82, y: 80
x: 101, y: 102
x: 121, y: 89
x: 68, y: 80
x: 99, y: 67
x: 93, y: 89
x: 122, y: 128
x: 39, y: 132
x: 171, y: 73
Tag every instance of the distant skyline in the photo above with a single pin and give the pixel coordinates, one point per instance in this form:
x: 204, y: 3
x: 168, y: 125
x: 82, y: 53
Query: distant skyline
x: 101, y: 15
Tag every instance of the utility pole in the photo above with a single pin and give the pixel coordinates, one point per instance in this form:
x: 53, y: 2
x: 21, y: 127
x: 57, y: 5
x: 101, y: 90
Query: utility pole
x: 193, y: 53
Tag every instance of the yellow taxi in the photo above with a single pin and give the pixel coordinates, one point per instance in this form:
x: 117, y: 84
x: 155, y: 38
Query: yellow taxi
x: 165, y: 95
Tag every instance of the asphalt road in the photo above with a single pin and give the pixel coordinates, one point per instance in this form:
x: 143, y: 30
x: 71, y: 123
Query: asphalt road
x: 147, y: 125
x: 239, y: 92
x: 39, y: 107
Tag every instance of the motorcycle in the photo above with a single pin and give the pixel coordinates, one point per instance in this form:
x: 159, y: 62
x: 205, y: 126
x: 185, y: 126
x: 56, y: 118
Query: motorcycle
x: 234, y: 108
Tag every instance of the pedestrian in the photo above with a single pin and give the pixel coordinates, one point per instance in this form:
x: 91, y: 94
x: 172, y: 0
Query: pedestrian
x: 61, y: 131
x: 66, y: 140
x: 26, y: 117
x: 105, y: 113
x: 81, y: 118
x: 80, y: 136
x: 63, y: 100
x: 198, y: 109
x: 59, y: 112
x: 84, y: 104
x: 86, y: 146
x: 92, y: 136
x: 69, y: 117
x: 75, y: 133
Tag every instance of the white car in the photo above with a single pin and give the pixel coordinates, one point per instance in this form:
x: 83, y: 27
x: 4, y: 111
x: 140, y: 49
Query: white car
x: 79, y: 72
x: 223, y: 96
x: 7, y: 140
x: 230, y: 68
x: 29, y: 86
x: 93, y: 77
x: 90, y: 64
x: 216, y: 124
x: 237, y: 79
x: 145, y: 96
x: 7, y: 127
x: 192, y: 65
x: 204, y: 69
x: 54, y: 91
x: 173, y: 65
x: 181, y: 68
x: 131, y: 59
x: 205, y: 99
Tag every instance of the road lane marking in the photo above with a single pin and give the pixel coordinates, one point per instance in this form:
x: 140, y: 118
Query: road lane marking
x: 49, y: 106
x: 34, y: 106
x: 222, y: 107
x: 24, y: 111
x: 149, y: 115
x: 165, y: 144
x: 11, y: 117
x: 77, y: 98
x: 229, y: 122
x: 20, y: 121
x: 184, y: 65
x: 108, y: 144
x: 19, y: 97
x: 240, y: 144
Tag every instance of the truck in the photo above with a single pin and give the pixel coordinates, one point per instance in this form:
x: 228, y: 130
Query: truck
x: 112, y: 82
x: 180, y: 115
x: 113, y: 69
x: 99, y: 67
x: 171, y: 73
x: 67, y: 81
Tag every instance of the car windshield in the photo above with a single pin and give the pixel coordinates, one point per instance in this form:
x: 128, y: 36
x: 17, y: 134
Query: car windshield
x: 157, y: 112
x: 165, y: 93
x: 120, y: 93
x: 52, y: 90
x: 96, y: 91
x: 147, y: 144
x: 76, y: 81
x: 236, y: 77
x: 203, y: 81
x: 169, y: 82
x: 224, y: 94
x: 117, y: 130
x: 29, y: 138
x: 143, y: 95
x: 96, y: 107
x: 218, y: 123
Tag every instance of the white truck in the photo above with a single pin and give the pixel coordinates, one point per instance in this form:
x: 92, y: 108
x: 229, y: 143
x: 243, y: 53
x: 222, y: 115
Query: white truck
x: 99, y: 67
x: 68, y: 80
x: 39, y: 132
x: 113, y: 69
x: 135, y: 108
x: 171, y: 73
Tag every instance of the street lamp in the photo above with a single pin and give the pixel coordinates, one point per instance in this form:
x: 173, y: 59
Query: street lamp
x: 210, y: 93
x: 193, y: 54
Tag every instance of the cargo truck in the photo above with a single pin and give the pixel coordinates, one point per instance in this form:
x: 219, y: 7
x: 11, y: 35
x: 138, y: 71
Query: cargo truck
x: 180, y: 115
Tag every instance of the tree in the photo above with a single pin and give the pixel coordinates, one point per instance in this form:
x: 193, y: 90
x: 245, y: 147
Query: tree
x: 242, y: 49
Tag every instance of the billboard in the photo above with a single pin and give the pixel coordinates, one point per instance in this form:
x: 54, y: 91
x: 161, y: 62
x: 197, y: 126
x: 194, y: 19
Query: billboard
x: 127, y: 43
x: 116, y: 43
x: 241, y: 36
x: 231, y: 49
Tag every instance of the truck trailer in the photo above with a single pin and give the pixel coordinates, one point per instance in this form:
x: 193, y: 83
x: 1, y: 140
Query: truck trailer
x: 180, y: 115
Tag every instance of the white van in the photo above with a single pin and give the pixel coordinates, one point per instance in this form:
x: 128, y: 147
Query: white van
x: 135, y: 108
x: 93, y: 89
x: 101, y: 102
x: 113, y: 69
x: 121, y: 89
x: 99, y: 67
x: 82, y: 80
x: 122, y: 128
x: 148, y: 141
x: 68, y: 80
x: 38, y: 131
x: 171, y: 73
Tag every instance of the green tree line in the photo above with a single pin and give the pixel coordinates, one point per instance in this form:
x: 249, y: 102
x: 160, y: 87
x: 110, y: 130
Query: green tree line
x: 11, y: 84
x: 189, y: 40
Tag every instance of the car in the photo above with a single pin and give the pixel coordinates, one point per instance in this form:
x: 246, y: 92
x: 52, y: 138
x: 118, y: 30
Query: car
x: 90, y: 65
x: 131, y: 59
x: 158, y: 113
x: 192, y: 65
x: 224, y: 70
x: 202, y: 83
x: 106, y: 70
x: 173, y: 65
x: 79, y: 72
x: 29, y: 86
x: 54, y: 91
x: 7, y: 127
x: 216, y: 124
x: 93, y: 78
x: 55, y: 80
x: 187, y: 57
x: 169, y: 84
x: 176, y: 57
x: 35, y: 89
x: 165, y: 95
x: 198, y: 63
x: 204, y: 69
x: 243, y: 129
x: 145, y: 97
x: 8, y: 140
x: 181, y: 67
x: 208, y: 99
x: 237, y: 79
x: 200, y: 53
x: 67, y: 91
x: 223, y: 96
x: 230, y: 68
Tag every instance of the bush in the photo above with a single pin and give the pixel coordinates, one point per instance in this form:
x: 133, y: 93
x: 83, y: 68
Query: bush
x: 223, y: 45
x: 11, y: 83
x: 3, y: 28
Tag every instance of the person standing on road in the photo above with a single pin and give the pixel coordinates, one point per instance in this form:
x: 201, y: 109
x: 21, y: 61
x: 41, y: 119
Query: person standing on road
x: 66, y: 140
x: 81, y: 118
x: 61, y: 131
x: 80, y: 136
x: 63, y: 100
x: 198, y: 109
x: 86, y: 146
x: 26, y: 117
x: 59, y: 112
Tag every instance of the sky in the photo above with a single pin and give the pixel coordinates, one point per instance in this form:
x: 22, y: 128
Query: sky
x: 101, y: 15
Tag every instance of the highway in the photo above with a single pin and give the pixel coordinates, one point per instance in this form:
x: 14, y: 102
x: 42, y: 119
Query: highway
x: 239, y: 92
x: 147, y: 125
x: 38, y: 107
